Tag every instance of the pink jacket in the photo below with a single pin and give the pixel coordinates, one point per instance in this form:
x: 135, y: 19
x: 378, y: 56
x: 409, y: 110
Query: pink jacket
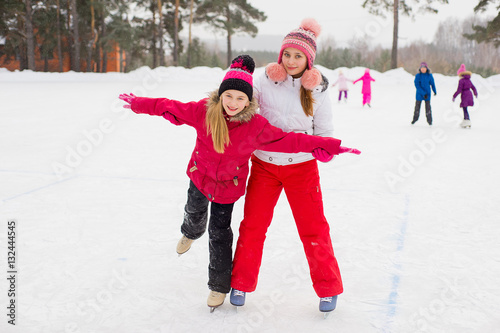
x: 366, y: 78
x: 222, y: 177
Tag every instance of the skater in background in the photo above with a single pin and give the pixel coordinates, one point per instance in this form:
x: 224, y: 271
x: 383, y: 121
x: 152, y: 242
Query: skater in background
x: 366, y: 90
x: 342, y: 82
x: 464, y: 90
x: 307, y: 110
x: 228, y: 131
x: 424, y: 81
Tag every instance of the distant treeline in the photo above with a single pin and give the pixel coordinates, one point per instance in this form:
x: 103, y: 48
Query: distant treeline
x: 443, y: 54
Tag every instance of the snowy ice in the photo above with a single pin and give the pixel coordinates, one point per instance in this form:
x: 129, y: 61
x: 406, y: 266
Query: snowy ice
x: 98, y: 194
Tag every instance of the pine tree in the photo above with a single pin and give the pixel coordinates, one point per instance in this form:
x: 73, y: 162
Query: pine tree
x: 12, y: 29
x: 44, y: 17
x: 489, y: 33
x: 230, y: 16
x: 59, y: 39
x: 76, y: 36
x: 30, y: 36
x: 190, y: 40
x: 379, y: 7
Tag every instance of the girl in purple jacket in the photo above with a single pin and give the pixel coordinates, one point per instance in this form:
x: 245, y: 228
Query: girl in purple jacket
x: 464, y: 89
x: 228, y: 131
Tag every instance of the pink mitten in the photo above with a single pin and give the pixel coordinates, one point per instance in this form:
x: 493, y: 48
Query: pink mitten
x: 343, y: 150
x: 128, y: 98
x: 322, y: 155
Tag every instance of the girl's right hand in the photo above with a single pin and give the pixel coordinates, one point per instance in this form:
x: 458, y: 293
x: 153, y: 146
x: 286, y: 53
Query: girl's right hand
x: 343, y: 150
x: 128, y: 98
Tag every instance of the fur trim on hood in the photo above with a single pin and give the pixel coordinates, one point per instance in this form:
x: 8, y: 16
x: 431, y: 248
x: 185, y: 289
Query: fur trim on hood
x: 465, y: 73
x: 244, y: 116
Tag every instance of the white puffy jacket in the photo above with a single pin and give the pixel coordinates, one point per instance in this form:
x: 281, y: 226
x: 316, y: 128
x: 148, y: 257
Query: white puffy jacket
x: 280, y: 104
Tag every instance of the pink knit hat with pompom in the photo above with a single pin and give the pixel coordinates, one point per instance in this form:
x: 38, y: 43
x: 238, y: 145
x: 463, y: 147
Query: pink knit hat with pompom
x: 461, y: 69
x: 303, y: 39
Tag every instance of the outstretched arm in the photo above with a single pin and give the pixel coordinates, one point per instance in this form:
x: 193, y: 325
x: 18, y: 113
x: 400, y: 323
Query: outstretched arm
x: 130, y: 98
x: 274, y: 139
x: 183, y: 113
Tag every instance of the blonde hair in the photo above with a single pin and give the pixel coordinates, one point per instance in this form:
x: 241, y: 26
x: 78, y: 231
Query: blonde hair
x: 307, y: 101
x: 217, y: 127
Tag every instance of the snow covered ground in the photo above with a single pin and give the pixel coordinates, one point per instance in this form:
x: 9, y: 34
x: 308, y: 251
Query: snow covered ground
x: 98, y: 194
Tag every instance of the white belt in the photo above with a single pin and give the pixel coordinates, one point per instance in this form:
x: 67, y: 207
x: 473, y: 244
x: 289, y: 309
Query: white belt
x: 282, y: 158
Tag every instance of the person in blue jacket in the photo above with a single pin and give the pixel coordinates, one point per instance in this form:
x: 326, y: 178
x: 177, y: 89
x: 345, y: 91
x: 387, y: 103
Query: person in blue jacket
x: 424, y: 81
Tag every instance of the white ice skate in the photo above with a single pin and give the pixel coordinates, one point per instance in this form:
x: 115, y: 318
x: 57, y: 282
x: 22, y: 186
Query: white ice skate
x: 465, y: 123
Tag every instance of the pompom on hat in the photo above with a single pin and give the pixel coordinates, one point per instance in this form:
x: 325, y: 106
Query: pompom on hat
x: 461, y: 69
x: 303, y: 39
x: 239, y: 76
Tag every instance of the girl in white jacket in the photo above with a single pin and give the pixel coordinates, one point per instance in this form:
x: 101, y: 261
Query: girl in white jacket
x: 293, y: 96
x: 343, y: 88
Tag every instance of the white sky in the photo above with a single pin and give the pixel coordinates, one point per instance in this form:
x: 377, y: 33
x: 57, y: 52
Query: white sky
x: 344, y: 19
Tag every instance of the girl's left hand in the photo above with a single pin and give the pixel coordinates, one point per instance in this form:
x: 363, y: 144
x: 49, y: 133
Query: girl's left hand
x: 322, y: 155
x: 128, y: 98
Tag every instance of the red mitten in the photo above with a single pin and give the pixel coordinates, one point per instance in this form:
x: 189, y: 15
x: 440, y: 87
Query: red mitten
x: 322, y: 155
x: 343, y: 150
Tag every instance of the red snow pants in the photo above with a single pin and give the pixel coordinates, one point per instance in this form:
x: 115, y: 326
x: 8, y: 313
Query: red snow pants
x: 302, y: 188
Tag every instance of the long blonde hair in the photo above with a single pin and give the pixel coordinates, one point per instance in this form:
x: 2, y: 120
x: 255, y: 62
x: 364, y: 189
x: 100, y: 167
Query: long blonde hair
x: 217, y: 127
x: 307, y: 101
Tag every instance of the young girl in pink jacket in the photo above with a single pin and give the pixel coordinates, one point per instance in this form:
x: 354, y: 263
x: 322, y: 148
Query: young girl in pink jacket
x: 366, y: 90
x: 228, y: 132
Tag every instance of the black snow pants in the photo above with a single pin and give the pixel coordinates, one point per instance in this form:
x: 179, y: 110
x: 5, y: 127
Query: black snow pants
x: 220, y: 235
x: 428, y: 113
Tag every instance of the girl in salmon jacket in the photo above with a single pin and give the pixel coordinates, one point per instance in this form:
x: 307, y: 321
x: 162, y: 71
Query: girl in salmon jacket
x: 228, y: 132
x: 293, y: 96
x: 343, y: 88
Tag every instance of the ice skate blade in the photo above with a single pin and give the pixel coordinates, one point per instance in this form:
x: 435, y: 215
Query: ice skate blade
x: 212, y: 308
x: 326, y: 314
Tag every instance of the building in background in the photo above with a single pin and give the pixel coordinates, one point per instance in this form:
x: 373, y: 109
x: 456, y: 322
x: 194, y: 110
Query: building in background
x: 115, y: 60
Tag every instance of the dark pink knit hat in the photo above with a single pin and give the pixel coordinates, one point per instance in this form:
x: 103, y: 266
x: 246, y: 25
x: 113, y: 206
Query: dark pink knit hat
x: 303, y: 39
x: 239, y: 77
